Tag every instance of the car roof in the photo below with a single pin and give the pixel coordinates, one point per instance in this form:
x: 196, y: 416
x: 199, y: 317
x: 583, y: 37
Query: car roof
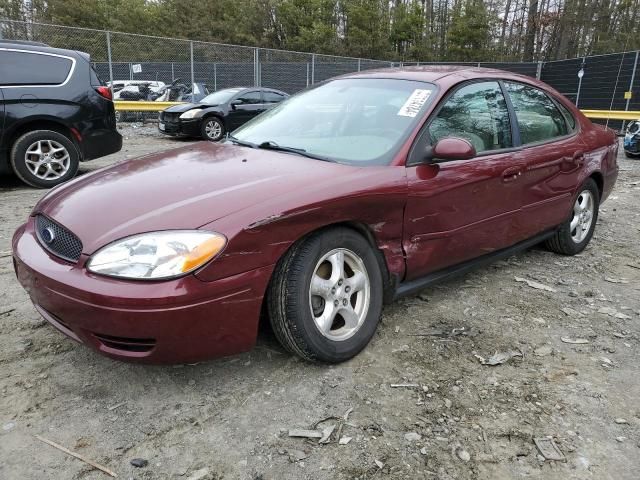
x: 439, y: 74
x: 41, y: 47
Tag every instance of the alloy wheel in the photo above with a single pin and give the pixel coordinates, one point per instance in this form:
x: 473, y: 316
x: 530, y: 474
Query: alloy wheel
x: 339, y: 294
x: 47, y: 159
x: 583, y: 211
x: 213, y: 129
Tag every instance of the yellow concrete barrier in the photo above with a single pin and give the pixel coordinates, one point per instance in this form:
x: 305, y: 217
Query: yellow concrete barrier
x: 129, y: 106
x: 612, y: 114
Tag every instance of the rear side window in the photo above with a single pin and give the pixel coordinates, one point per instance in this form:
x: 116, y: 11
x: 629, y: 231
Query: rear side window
x: 25, y: 68
x: 571, y: 121
x: 538, y: 117
x: 273, y: 97
x: 476, y: 112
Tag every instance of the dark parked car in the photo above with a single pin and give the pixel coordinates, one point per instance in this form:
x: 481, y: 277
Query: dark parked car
x: 631, y: 142
x: 357, y: 191
x: 219, y: 112
x: 54, y: 113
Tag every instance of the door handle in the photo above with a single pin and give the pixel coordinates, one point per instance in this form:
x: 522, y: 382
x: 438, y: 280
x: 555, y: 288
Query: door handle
x: 577, y: 159
x: 511, y: 174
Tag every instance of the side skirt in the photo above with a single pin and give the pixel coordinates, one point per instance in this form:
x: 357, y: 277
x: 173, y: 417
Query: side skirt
x: 414, y: 286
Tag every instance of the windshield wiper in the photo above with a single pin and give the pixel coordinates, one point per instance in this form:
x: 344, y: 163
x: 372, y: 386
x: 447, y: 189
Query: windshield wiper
x: 236, y: 141
x: 271, y: 145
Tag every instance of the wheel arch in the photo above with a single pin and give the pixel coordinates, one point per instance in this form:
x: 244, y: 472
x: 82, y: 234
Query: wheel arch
x: 599, y: 179
x: 364, y: 230
x: 42, y: 124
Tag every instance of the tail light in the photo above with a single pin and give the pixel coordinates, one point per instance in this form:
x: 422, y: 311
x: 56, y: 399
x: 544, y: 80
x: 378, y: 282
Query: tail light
x: 105, y: 92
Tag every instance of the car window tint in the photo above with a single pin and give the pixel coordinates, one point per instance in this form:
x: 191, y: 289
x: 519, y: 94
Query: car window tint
x: 476, y: 112
x: 250, y: 98
x: 538, y: 117
x: 568, y: 116
x: 20, y: 68
x: 273, y: 97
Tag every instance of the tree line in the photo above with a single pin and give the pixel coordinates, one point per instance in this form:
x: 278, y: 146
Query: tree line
x: 399, y: 30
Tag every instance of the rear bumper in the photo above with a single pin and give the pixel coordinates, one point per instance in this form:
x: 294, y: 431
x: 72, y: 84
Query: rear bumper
x: 181, y: 320
x: 99, y: 143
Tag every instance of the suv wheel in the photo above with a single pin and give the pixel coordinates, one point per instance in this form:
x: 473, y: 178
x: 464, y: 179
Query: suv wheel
x: 325, y: 297
x: 44, y: 158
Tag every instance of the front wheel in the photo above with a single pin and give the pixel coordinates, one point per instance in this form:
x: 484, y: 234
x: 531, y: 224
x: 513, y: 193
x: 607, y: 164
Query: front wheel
x: 212, y: 129
x: 325, y: 297
x: 574, y: 235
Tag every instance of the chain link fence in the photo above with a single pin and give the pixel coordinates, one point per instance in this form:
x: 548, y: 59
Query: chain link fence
x: 606, y: 82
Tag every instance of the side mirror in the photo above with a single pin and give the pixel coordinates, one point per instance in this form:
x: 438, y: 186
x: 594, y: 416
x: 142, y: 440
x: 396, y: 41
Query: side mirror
x: 451, y: 148
x: 235, y: 103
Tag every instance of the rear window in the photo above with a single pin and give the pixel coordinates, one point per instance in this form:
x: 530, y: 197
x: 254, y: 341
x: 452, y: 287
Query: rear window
x: 25, y: 68
x: 96, y: 81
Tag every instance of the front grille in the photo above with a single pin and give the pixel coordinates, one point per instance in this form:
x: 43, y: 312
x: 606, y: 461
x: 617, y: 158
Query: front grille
x: 127, y: 344
x: 169, y: 116
x: 57, y: 239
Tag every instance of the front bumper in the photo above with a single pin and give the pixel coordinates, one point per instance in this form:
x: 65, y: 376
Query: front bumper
x: 185, y: 128
x: 175, y: 321
x: 632, y: 145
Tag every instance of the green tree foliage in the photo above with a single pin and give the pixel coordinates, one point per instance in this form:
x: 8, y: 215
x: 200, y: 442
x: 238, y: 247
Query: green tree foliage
x: 408, y: 30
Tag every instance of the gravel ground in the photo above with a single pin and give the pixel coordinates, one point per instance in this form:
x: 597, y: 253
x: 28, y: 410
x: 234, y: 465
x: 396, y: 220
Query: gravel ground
x: 454, y: 418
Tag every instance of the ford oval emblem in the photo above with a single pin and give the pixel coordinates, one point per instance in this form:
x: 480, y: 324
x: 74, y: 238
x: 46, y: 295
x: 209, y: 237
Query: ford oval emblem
x: 48, y: 235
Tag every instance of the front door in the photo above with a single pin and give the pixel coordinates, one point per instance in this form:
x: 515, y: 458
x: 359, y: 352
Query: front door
x: 244, y: 107
x: 462, y: 209
x: 553, y: 153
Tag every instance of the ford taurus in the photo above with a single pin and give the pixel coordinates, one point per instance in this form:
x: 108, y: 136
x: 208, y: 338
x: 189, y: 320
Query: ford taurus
x: 350, y: 194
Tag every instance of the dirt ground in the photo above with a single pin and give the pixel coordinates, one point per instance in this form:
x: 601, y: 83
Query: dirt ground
x: 454, y: 418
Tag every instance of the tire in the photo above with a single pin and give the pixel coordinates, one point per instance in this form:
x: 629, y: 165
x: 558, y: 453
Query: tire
x: 568, y: 240
x: 39, y: 170
x: 212, y: 129
x: 290, y: 298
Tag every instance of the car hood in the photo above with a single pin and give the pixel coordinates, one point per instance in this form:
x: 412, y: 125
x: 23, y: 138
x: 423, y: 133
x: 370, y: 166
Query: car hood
x: 184, y: 188
x: 184, y: 107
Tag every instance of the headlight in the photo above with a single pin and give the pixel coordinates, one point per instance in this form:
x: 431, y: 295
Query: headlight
x: 157, y: 255
x: 190, y: 113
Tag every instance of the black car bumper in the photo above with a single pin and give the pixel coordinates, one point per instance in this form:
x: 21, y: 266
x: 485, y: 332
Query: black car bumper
x: 184, y: 128
x: 100, y: 142
x: 632, y: 145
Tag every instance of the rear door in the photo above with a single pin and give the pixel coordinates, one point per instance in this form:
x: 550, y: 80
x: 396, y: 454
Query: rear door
x: 553, y: 153
x: 462, y: 209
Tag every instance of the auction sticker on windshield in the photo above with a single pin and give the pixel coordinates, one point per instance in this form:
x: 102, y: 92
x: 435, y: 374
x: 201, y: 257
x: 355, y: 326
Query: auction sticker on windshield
x: 414, y: 103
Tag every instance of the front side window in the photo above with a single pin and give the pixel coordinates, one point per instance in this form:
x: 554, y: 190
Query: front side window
x: 538, y: 117
x: 220, y: 97
x: 476, y: 112
x: 25, y: 68
x: 353, y: 121
x: 250, y: 98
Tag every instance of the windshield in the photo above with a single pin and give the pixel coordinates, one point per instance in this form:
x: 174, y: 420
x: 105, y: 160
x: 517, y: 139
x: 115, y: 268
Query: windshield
x: 354, y: 121
x: 221, y: 96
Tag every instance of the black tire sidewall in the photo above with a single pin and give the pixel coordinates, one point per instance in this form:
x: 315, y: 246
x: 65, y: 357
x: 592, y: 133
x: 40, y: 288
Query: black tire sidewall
x: 203, y: 129
x: 19, y: 150
x: 571, y: 246
x: 323, y: 348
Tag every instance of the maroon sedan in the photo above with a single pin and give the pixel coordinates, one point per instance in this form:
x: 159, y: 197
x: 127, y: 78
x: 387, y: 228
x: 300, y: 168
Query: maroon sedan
x: 352, y: 193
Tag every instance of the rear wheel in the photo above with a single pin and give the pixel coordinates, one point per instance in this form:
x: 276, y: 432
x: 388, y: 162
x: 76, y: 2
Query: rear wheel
x: 325, y: 297
x: 212, y: 129
x: 44, y: 158
x: 574, y: 235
